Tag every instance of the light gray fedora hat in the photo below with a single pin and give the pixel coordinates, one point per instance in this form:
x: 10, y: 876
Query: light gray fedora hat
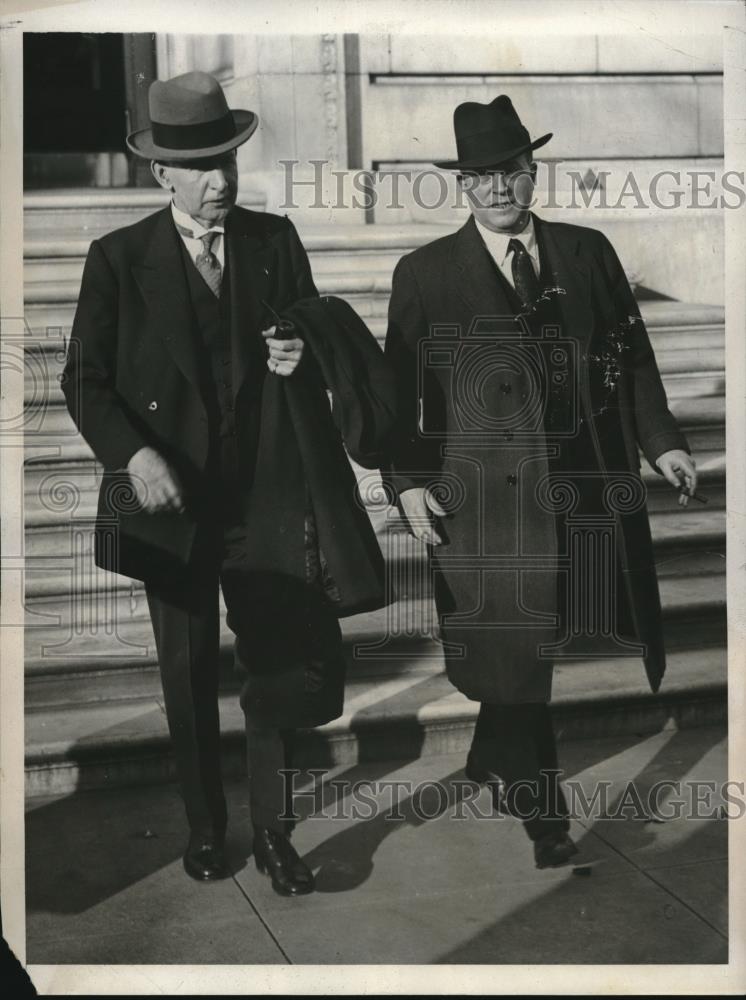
x: 190, y: 119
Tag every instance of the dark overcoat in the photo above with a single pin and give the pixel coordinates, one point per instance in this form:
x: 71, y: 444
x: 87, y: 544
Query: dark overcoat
x: 466, y: 385
x: 133, y: 379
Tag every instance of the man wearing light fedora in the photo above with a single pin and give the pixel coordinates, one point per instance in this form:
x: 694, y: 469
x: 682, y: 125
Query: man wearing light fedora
x: 526, y: 382
x: 223, y: 466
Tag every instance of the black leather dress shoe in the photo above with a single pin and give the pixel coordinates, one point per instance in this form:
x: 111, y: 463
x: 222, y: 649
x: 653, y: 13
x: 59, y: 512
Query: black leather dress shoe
x: 204, y: 859
x: 553, y: 850
x: 275, y: 856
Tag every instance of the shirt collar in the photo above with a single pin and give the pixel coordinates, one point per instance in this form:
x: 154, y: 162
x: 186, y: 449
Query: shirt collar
x: 497, y: 243
x: 189, y: 223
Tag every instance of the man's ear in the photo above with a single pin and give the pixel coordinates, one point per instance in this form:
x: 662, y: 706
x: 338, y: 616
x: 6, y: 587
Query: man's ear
x: 161, y: 174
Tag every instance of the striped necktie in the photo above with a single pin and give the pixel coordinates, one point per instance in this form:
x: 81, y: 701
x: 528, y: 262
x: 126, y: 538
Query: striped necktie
x: 206, y: 262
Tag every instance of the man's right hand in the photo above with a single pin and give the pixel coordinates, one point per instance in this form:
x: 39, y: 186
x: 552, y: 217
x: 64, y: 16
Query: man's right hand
x: 156, y: 484
x: 419, y: 505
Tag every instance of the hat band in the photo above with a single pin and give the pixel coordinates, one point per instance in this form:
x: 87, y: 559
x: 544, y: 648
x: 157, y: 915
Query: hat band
x: 200, y: 136
x: 490, y: 143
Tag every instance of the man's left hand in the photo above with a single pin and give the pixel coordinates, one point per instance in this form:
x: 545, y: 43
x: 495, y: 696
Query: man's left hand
x: 679, y: 469
x: 284, y: 355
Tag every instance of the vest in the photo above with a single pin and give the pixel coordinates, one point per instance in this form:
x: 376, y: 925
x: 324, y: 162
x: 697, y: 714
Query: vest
x: 213, y: 328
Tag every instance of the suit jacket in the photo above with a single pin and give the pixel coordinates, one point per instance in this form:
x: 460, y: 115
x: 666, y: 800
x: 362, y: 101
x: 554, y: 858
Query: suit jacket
x: 452, y: 344
x: 132, y: 377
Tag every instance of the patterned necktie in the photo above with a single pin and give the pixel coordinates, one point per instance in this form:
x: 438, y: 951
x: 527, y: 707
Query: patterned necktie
x: 206, y: 262
x: 524, y: 277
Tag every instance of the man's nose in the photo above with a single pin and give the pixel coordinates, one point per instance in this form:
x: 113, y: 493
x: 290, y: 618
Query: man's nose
x: 219, y: 180
x: 499, y: 184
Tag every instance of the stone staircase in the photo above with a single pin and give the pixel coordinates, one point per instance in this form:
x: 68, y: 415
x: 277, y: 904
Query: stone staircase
x: 93, y: 706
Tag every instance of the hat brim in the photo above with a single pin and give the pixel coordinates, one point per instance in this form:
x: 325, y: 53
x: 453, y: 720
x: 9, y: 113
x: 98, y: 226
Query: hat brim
x: 141, y: 142
x: 502, y: 156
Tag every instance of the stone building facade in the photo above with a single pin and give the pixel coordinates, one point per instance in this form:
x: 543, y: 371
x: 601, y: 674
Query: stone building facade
x: 349, y: 113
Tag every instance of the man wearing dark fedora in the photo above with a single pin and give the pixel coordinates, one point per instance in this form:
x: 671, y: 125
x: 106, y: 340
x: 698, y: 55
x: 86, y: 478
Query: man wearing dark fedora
x: 223, y: 467
x: 526, y: 383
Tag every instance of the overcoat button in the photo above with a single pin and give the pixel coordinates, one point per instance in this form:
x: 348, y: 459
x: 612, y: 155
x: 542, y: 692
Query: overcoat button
x: 512, y: 480
x: 153, y: 405
x: 506, y: 387
x: 508, y: 435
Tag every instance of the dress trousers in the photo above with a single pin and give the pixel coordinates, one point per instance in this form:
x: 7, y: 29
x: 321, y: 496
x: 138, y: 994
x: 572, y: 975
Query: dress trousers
x: 185, y: 612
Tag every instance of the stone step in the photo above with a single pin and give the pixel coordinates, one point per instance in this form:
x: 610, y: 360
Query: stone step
x: 56, y: 222
x: 687, y: 325
x: 696, y: 370
x: 71, y: 596
x: 92, y: 684
x: 56, y: 215
x: 408, y: 627
x: 41, y: 474
x: 95, y: 642
x: 43, y: 395
x: 327, y: 265
x: 119, y: 644
x: 344, y: 258
x: 691, y: 358
x: 706, y: 439
x: 60, y: 509
x: 349, y: 259
x: 45, y: 444
x: 699, y: 411
x: 83, y: 599
x: 124, y: 743
x: 61, y: 501
x: 325, y: 242
x: 137, y: 681
x: 48, y: 424
x: 48, y: 323
x: 342, y: 284
x: 60, y: 506
x: 54, y: 256
x: 686, y: 384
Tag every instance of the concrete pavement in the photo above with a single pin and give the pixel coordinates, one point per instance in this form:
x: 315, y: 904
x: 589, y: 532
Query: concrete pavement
x: 438, y: 880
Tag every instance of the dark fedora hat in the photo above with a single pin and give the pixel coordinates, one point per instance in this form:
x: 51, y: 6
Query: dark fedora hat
x: 489, y: 134
x: 190, y: 119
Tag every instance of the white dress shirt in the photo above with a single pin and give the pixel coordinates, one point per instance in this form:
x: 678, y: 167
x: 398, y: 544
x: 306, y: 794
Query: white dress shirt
x: 497, y: 245
x: 194, y: 245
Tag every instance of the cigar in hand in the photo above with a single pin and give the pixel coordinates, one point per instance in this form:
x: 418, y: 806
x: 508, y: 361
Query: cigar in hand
x: 694, y: 496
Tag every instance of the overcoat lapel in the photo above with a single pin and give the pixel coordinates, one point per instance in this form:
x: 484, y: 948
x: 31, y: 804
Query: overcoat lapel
x: 163, y: 284
x: 569, y: 272
x: 250, y: 260
x: 474, y: 274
